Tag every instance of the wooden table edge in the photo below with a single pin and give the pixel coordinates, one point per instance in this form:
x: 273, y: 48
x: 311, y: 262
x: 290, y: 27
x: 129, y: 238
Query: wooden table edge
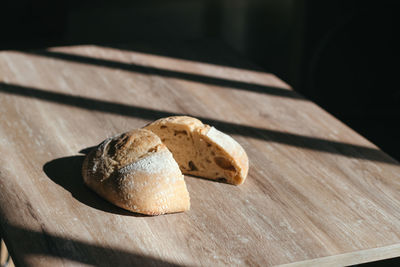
x: 351, y: 258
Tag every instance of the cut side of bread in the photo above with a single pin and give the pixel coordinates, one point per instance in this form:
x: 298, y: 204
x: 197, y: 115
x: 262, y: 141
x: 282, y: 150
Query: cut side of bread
x: 202, y: 150
x: 137, y: 172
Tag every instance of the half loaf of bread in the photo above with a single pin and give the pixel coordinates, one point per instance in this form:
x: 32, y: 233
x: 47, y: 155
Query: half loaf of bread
x: 202, y: 150
x: 137, y: 172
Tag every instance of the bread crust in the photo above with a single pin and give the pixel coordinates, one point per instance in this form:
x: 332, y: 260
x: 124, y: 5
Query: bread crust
x: 137, y: 172
x: 191, y: 141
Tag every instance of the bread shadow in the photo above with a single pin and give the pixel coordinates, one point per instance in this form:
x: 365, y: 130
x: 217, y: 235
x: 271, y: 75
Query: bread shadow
x: 66, y: 172
x: 219, y: 180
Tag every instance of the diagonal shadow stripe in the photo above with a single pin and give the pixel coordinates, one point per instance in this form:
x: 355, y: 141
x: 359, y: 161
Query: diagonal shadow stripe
x: 43, y: 243
x: 209, y: 51
x: 276, y: 91
x: 313, y: 143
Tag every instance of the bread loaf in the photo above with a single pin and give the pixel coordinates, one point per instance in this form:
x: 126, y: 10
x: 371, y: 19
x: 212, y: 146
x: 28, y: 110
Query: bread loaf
x: 202, y: 150
x: 137, y: 172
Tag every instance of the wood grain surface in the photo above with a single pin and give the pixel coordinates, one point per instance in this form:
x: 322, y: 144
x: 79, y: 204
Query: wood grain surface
x: 317, y: 192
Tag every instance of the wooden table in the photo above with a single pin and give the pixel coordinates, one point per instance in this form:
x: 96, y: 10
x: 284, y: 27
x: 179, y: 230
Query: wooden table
x: 317, y: 192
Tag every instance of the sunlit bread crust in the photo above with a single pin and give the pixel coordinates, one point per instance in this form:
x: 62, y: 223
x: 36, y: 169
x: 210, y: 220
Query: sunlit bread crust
x: 135, y: 171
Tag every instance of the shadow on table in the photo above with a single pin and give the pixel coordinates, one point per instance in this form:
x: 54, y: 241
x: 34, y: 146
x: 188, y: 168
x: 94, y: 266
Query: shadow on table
x: 43, y: 243
x: 216, y: 81
x: 67, y: 172
x: 207, y: 51
x: 292, y: 139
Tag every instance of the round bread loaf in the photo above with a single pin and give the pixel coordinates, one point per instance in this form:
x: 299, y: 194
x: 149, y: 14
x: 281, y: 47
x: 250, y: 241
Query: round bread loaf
x: 137, y: 172
x: 202, y: 150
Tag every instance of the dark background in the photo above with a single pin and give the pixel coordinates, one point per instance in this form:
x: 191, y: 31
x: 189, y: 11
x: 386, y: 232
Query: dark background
x: 340, y: 54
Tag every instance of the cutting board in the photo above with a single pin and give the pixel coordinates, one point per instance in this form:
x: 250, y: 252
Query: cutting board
x: 317, y: 192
